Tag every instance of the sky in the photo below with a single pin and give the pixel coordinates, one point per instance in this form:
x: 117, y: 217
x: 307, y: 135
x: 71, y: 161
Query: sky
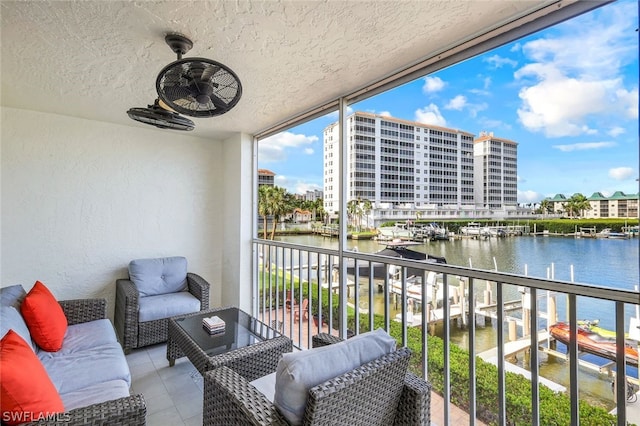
x: 567, y: 95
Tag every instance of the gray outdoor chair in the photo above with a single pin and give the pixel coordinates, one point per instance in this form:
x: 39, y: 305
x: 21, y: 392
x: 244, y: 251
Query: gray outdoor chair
x: 155, y: 290
x: 380, y: 392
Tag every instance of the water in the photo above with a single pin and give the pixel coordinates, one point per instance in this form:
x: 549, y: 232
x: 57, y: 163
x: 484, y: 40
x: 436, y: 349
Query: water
x: 602, y: 262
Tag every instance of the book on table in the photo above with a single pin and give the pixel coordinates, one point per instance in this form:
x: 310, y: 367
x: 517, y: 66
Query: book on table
x: 213, y: 324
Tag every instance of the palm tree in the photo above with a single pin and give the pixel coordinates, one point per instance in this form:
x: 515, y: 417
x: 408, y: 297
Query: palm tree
x: 365, y: 207
x: 279, y: 205
x: 264, y: 205
x: 576, y: 205
x: 546, y: 206
x: 352, y: 211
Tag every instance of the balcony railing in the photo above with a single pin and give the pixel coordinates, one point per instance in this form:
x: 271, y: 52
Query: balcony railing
x: 346, y: 295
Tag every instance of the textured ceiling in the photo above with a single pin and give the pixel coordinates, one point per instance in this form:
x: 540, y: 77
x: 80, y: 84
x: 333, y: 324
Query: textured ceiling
x: 97, y: 59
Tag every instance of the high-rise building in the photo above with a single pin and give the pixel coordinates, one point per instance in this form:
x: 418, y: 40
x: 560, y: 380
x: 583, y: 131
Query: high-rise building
x: 496, y: 171
x: 399, y: 163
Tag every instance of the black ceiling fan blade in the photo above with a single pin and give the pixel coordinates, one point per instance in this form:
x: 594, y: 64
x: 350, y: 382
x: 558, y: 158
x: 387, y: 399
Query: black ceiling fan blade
x: 219, y: 103
x: 174, y: 93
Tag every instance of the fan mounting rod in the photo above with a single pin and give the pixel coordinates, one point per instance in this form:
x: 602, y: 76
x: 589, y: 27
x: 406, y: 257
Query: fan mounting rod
x: 179, y: 44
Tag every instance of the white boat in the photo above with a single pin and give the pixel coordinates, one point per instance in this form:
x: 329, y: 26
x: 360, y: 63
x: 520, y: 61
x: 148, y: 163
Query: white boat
x: 434, y: 287
x: 474, y: 228
x: 608, y: 233
x: 398, y: 231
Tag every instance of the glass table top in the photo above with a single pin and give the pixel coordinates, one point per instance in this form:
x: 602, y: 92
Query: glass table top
x: 241, y: 330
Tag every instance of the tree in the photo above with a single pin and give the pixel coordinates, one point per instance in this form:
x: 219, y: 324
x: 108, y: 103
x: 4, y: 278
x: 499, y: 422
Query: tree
x: 366, y: 207
x: 280, y: 204
x: 576, y: 205
x: 265, y: 194
x: 546, y: 206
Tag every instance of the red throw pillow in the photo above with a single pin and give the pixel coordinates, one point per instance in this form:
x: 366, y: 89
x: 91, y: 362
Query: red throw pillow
x: 44, y: 317
x: 27, y: 393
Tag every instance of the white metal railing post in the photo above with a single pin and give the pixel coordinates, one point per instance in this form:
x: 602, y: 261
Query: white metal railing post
x: 621, y: 373
x: 533, y: 358
x: 472, y: 354
x: 502, y: 409
x: 446, y: 348
x: 342, y: 234
x: 573, y: 360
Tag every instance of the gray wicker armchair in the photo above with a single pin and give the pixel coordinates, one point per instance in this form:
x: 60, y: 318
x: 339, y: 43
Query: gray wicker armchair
x: 134, y: 333
x: 127, y: 411
x: 364, y: 396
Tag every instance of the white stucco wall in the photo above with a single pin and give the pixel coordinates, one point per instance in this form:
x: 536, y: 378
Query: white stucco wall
x: 238, y: 217
x: 80, y: 199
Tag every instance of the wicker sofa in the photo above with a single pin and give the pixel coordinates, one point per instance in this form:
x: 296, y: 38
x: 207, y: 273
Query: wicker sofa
x: 367, y: 395
x: 90, y: 371
x: 161, y: 287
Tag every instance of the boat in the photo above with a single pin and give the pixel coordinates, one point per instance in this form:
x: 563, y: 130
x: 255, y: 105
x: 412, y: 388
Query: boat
x: 413, y: 286
x: 475, y: 229
x: 609, y: 233
x: 591, y: 342
x: 431, y: 231
x: 394, y: 248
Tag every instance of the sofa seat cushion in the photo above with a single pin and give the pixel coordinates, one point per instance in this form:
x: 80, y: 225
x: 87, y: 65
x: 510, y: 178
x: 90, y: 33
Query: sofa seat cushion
x: 12, y: 295
x: 10, y: 319
x: 159, y: 276
x: 167, y: 305
x: 95, y: 394
x: 83, y: 368
x: 297, y: 372
x: 88, y: 335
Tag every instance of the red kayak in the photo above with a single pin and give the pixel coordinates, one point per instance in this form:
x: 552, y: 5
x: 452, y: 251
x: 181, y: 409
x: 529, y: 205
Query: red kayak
x: 594, y: 343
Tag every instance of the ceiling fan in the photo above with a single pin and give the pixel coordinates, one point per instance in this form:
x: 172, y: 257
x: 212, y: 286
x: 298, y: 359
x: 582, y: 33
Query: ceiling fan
x: 160, y: 116
x: 196, y: 87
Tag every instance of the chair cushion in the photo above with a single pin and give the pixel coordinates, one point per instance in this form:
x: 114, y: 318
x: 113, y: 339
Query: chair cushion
x: 45, y: 318
x: 297, y: 372
x: 159, y: 276
x: 10, y: 319
x: 266, y: 385
x: 167, y: 305
x: 27, y: 392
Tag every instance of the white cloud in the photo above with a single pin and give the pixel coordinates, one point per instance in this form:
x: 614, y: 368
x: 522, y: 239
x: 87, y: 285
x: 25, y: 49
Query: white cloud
x: 333, y: 116
x: 457, y: 103
x: 430, y: 115
x: 616, y: 131
x: 584, y: 146
x: 308, y: 151
x: 564, y: 88
x: 432, y: 84
x: 474, y: 109
x: 629, y: 101
x: 275, y: 148
x: 621, y: 173
x: 297, y: 185
x: 529, y: 197
x: 498, y: 61
x: 385, y: 113
x: 303, y: 187
x: 559, y: 105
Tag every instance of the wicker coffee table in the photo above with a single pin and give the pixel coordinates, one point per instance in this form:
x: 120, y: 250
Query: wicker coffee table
x: 247, y: 346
